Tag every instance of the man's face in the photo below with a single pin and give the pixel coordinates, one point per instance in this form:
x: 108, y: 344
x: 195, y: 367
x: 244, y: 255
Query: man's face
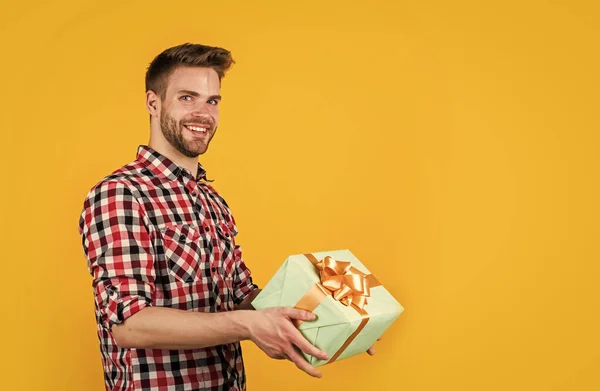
x: 190, y: 111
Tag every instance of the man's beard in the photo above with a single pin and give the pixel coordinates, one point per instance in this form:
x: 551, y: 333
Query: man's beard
x: 173, y: 132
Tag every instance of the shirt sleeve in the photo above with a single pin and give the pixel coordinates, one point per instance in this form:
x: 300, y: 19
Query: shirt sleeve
x: 116, y: 241
x: 243, y: 284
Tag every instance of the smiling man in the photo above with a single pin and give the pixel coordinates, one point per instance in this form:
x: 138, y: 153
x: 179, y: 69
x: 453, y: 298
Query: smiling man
x: 172, y: 292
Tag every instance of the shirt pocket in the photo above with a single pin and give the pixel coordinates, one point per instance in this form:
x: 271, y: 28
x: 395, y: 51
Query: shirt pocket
x: 180, y: 243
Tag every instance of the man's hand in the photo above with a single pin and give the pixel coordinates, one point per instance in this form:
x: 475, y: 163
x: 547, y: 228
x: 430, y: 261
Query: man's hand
x: 371, y: 350
x: 274, y: 333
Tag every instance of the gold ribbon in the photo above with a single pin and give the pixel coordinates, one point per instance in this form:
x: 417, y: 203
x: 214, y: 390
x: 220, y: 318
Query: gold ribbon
x: 344, y: 283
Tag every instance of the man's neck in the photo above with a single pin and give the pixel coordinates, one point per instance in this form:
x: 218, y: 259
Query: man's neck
x: 164, y: 148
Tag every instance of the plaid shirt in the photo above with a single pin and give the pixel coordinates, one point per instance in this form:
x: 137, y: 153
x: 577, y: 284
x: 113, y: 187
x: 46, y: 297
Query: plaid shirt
x: 155, y: 236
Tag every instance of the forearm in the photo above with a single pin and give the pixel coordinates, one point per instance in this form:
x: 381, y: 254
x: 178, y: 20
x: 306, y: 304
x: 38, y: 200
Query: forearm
x: 169, y: 328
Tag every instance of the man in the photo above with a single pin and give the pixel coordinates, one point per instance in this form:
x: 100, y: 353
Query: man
x: 172, y: 292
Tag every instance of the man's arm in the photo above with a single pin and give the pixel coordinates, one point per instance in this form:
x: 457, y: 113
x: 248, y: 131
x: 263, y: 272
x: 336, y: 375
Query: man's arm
x: 118, y: 247
x: 271, y: 330
x: 170, y: 328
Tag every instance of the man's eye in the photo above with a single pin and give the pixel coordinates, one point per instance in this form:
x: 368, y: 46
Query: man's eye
x: 186, y: 98
x: 213, y: 102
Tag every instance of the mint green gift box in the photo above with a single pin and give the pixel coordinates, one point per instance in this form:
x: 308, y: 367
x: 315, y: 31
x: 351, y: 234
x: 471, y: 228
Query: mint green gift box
x: 336, y: 322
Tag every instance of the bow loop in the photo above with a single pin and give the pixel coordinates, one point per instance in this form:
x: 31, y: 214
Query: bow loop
x: 347, y: 284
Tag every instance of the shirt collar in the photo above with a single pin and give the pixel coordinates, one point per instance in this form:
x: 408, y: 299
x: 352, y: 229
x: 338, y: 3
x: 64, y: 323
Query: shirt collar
x: 162, y: 166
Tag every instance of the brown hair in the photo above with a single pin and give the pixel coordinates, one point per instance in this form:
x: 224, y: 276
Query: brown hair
x: 188, y: 54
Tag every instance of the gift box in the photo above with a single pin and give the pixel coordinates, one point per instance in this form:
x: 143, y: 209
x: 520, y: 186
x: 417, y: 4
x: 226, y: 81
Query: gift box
x: 353, y: 308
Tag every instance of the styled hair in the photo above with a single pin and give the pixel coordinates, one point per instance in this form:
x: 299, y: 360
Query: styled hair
x: 188, y: 55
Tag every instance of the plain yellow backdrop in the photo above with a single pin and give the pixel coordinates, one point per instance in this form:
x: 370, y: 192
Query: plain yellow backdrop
x: 453, y: 146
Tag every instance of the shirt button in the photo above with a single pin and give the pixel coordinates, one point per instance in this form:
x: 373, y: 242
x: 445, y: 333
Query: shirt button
x: 181, y: 239
x: 207, y: 228
x: 214, y: 269
x: 194, y: 194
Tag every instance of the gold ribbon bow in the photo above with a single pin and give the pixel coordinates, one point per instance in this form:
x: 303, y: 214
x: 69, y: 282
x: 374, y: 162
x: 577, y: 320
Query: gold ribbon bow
x: 347, y: 284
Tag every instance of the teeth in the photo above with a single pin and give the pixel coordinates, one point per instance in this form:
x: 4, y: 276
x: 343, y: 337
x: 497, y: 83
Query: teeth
x: 196, y: 129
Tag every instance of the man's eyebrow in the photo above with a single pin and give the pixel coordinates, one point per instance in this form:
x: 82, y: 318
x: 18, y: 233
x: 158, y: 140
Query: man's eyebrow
x: 188, y: 92
x: 195, y: 94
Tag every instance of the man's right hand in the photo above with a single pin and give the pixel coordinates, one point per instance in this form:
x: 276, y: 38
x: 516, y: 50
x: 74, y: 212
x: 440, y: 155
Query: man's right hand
x: 274, y: 333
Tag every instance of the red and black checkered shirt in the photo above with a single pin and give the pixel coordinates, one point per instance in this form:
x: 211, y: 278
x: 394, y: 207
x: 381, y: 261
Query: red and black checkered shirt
x: 156, y: 236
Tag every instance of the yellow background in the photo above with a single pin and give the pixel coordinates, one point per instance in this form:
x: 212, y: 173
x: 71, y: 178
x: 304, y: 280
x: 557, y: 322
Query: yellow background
x: 453, y: 146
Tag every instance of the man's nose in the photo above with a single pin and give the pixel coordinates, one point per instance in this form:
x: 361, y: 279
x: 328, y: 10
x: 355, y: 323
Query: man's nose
x: 200, y: 111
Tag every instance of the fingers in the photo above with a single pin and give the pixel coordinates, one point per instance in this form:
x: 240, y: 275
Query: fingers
x: 294, y: 313
x: 302, y: 344
x: 371, y: 350
x: 302, y: 364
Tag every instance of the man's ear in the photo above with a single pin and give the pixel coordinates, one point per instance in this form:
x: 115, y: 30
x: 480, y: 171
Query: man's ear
x: 152, y: 103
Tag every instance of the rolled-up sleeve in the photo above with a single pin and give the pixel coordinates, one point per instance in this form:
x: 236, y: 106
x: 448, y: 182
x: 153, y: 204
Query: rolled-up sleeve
x: 243, y: 284
x: 117, y: 244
